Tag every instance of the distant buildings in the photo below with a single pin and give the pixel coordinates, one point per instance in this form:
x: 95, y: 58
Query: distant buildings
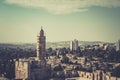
x: 118, y: 45
x: 97, y: 75
x: 34, y: 68
x: 74, y: 45
x: 75, y: 67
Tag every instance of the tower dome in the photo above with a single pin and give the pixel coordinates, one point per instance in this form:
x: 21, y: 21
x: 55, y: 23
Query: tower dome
x: 41, y: 32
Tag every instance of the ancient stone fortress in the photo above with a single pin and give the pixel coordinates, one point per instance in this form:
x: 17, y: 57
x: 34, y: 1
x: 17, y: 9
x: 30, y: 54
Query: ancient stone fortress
x: 34, y: 68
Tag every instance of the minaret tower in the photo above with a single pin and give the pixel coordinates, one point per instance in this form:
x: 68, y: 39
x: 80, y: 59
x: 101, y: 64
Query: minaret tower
x: 41, y: 46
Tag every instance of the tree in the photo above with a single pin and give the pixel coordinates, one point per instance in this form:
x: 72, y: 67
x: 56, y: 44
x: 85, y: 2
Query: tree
x: 65, y: 59
x: 58, y: 68
x: 116, y: 71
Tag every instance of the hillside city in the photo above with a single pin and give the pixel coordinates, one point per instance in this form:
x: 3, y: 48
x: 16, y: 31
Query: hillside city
x: 69, y: 60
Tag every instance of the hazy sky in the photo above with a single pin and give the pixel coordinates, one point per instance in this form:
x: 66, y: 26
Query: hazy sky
x: 62, y: 20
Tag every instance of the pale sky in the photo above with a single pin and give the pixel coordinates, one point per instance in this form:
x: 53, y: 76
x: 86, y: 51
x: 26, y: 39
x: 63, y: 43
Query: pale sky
x: 62, y: 20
